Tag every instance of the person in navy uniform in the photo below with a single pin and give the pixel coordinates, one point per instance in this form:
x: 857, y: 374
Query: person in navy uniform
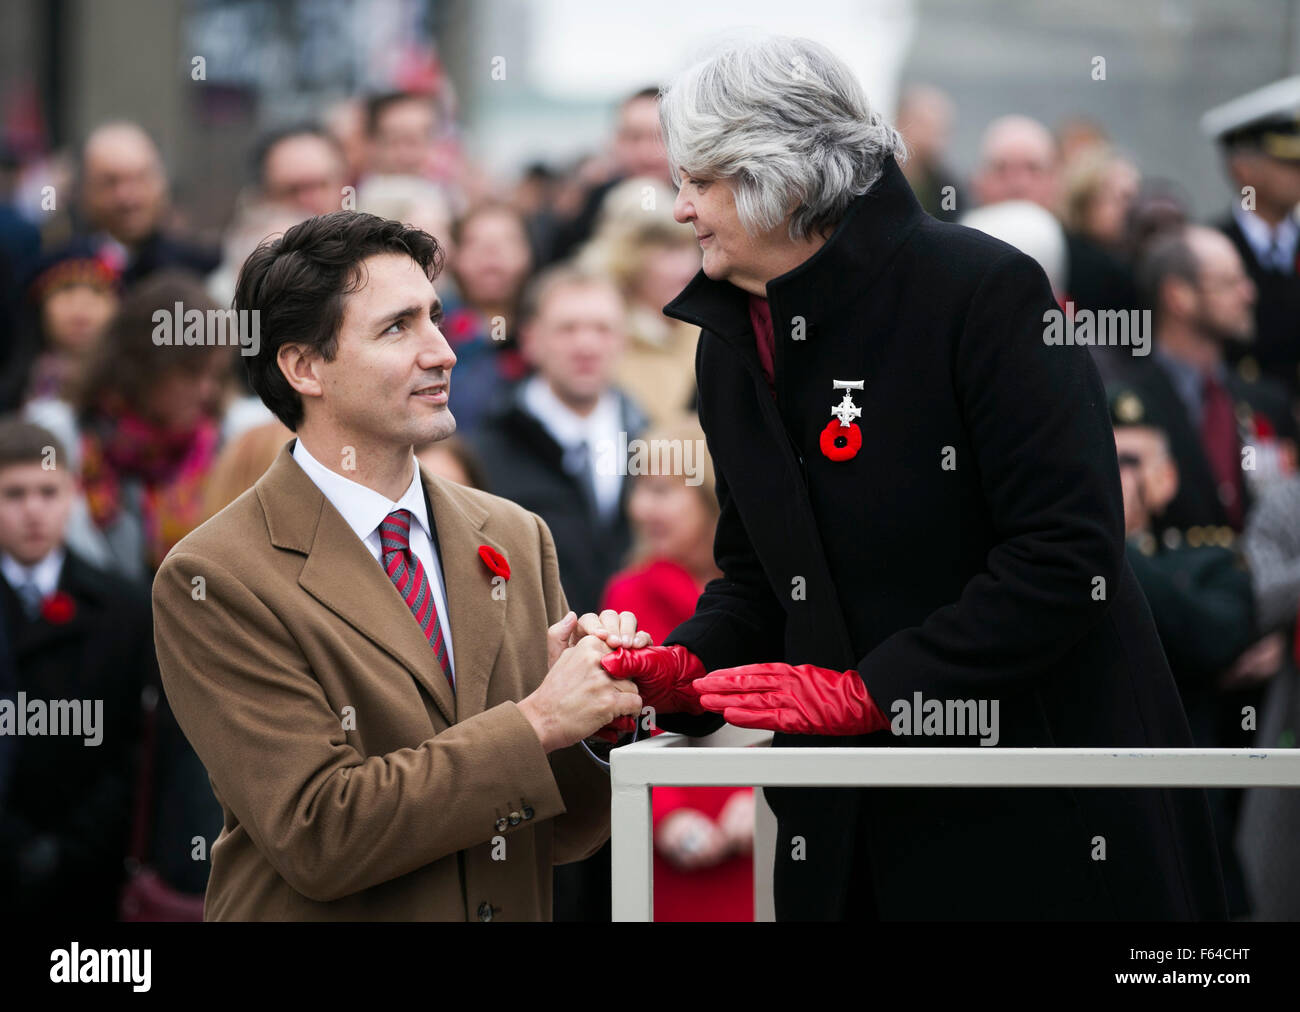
x: 919, y: 495
x: 1202, y: 597
x: 1258, y: 135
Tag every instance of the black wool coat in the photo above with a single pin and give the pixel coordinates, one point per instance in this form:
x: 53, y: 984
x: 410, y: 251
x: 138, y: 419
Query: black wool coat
x: 79, y: 798
x: 525, y: 464
x: 972, y: 549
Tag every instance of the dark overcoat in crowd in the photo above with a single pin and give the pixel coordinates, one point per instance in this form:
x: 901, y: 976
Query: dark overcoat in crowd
x: 65, y: 821
x: 972, y: 549
x: 525, y: 464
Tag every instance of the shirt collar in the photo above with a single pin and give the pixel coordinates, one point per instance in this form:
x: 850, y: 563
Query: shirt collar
x: 363, y: 508
x: 1185, y: 376
x: 567, y: 426
x: 45, y: 573
x: 1261, y: 236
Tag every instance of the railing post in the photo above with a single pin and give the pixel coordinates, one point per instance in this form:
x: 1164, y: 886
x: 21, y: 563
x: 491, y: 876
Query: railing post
x: 631, y: 864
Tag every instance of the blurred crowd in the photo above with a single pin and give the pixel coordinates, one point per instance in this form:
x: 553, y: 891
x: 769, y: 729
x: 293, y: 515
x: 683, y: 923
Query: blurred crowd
x: 114, y: 446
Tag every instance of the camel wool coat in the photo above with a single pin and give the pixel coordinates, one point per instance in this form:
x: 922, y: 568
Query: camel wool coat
x: 355, y: 784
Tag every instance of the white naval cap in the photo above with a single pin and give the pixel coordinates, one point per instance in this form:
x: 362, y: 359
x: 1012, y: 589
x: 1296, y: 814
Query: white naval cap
x: 1267, y: 118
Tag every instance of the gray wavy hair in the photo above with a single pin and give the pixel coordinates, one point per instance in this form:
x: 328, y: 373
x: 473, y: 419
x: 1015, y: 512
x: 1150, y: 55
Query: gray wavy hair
x: 784, y: 121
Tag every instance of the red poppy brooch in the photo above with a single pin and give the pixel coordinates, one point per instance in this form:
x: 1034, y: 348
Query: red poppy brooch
x: 842, y: 439
x: 494, y: 560
x: 58, y: 608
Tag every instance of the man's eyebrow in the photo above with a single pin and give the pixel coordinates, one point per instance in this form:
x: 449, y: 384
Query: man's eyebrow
x: 412, y: 310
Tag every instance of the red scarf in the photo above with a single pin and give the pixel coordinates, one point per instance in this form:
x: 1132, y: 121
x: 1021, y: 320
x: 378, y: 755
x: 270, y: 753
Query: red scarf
x: 171, y: 467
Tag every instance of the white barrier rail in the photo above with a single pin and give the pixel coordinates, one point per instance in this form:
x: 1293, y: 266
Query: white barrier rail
x: 734, y: 756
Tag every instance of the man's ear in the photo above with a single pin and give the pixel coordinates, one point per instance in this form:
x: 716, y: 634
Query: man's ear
x: 1179, y: 295
x: 298, y: 364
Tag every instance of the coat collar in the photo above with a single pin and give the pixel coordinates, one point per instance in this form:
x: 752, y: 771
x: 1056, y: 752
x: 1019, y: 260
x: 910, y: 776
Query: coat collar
x: 341, y: 573
x: 874, y: 226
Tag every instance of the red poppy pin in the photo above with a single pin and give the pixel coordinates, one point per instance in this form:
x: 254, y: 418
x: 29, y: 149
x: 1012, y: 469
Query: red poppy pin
x: 841, y: 439
x: 494, y: 560
x: 58, y: 608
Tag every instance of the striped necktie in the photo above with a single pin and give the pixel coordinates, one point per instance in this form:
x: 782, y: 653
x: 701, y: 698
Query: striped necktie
x: 411, y: 581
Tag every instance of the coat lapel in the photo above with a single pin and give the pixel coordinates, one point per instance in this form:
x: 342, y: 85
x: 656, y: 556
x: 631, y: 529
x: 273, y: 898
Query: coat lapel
x: 340, y: 572
x: 478, y: 619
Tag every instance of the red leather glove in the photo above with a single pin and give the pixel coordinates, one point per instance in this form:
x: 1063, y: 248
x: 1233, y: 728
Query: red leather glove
x: 663, y: 675
x: 614, y: 730
x: 797, y: 700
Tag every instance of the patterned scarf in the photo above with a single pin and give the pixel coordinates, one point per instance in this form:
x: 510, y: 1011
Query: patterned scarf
x: 171, y: 468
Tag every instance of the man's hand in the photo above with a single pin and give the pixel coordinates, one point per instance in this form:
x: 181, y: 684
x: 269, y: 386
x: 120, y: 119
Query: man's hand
x: 614, y: 628
x: 664, y: 676
x: 797, y: 700
x: 577, y: 696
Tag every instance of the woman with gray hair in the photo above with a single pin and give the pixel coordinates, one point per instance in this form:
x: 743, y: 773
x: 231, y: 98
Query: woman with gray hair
x: 921, y: 532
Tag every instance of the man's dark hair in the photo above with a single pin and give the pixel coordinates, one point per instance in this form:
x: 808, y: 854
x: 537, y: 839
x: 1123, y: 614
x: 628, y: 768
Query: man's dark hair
x: 1168, y: 256
x: 298, y: 282
x: 22, y: 442
x: 272, y: 138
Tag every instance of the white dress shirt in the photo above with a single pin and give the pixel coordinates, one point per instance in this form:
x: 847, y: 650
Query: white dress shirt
x: 45, y: 574
x: 1262, y: 239
x: 568, y: 428
x: 364, y: 509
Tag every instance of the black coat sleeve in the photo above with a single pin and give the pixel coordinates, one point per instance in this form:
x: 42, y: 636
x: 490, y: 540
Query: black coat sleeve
x: 1036, y: 424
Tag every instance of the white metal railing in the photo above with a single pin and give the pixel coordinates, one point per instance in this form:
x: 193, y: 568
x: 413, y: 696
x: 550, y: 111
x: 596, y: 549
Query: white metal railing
x: 733, y: 756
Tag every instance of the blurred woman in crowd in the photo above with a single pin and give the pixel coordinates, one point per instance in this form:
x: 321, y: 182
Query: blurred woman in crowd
x: 703, y: 861
x: 148, y: 426
x: 74, y: 294
x: 1100, y: 187
x: 651, y: 258
x: 491, y: 262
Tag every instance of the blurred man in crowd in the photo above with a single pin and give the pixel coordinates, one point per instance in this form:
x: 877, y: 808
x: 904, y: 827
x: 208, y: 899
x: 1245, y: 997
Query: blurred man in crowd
x: 123, y: 189
x: 301, y: 167
x: 1259, y: 137
x: 551, y: 444
x: 82, y: 637
x: 401, y: 128
x: 637, y: 150
x: 1019, y: 160
x: 924, y: 119
x: 1202, y: 302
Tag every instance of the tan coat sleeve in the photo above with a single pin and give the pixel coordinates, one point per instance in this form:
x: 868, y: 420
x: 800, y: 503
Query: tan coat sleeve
x: 584, y: 827
x: 331, y: 821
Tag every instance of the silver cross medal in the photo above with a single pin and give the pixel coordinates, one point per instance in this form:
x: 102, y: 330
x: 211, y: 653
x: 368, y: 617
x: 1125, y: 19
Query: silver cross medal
x: 846, y: 410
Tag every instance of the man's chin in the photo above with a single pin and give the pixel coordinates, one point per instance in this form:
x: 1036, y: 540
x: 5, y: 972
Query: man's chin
x: 439, y: 427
